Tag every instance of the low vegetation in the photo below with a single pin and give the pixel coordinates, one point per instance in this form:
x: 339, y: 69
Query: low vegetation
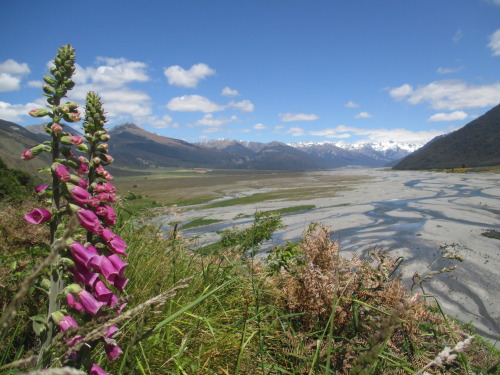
x: 309, y: 311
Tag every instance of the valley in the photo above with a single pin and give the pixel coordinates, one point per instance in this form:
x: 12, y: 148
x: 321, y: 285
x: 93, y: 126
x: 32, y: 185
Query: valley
x: 419, y: 216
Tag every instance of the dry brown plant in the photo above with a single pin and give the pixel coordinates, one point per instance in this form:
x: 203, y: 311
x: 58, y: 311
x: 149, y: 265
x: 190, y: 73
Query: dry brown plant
x: 369, y: 308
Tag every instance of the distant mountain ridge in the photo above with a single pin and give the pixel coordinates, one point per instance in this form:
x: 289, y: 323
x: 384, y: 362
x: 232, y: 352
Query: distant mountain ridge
x: 134, y: 147
x: 476, y: 144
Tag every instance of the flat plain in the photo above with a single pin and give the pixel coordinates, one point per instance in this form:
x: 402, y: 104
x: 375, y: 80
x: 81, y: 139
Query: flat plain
x: 419, y: 216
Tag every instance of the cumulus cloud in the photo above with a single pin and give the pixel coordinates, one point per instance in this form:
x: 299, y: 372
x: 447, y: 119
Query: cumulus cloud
x: 161, y: 122
x: 259, y: 126
x: 11, y: 73
x: 226, y: 91
x: 494, y: 43
x: 9, y: 82
x: 286, y: 117
x: 110, y: 77
x: 401, y: 92
x: 296, y: 132
x: 453, y: 116
x: 378, y: 135
x: 193, y: 103
x: 351, y: 104
x: 243, y: 106
x: 214, y: 122
x: 449, y: 95
x: 13, y: 112
x: 364, y: 115
x: 190, y: 78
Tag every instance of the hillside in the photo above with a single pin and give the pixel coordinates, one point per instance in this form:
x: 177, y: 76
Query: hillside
x: 477, y: 144
x: 14, y: 140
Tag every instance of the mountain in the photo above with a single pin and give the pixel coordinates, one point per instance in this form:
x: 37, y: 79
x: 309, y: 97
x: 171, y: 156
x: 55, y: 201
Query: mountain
x: 340, y: 154
x: 14, y: 140
x: 477, y: 144
x: 134, y: 147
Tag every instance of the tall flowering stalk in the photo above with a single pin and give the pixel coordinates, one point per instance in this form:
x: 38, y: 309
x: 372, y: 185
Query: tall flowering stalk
x: 88, y: 273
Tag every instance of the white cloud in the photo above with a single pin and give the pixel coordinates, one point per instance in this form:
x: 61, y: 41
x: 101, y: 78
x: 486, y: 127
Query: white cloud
x: 449, y: 70
x: 259, y: 126
x: 296, y: 132
x: 11, y: 73
x: 453, y: 116
x: 9, y: 82
x: 351, y: 104
x: 378, y: 135
x: 111, y: 73
x: 161, y: 122
x: 364, y: 115
x: 401, y: 92
x: 494, y: 43
x: 13, y: 67
x: 243, y: 106
x: 13, y: 112
x: 226, y: 91
x: 35, y: 84
x: 193, y: 103
x: 187, y: 78
x: 286, y: 117
x: 215, y: 122
x: 449, y: 94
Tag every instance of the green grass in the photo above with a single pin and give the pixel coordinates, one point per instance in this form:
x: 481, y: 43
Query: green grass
x: 285, y: 210
x: 199, y: 222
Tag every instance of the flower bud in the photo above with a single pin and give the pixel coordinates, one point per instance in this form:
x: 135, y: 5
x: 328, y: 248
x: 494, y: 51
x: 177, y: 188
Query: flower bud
x: 96, y: 160
x: 48, y: 89
x: 105, y: 137
x: 72, y: 105
x: 38, y: 112
x: 103, y: 147
x: 83, y: 148
x: 49, y: 80
x: 69, y: 84
x: 35, y: 151
x: 72, y: 140
x: 56, y: 128
x: 72, y: 117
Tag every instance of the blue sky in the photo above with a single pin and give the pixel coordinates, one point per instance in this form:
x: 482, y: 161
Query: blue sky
x: 263, y: 70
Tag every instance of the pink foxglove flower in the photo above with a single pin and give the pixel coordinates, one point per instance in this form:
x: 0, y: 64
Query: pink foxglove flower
x: 111, y: 349
x: 110, y: 216
x: 114, y: 304
x: 64, y: 322
x: 89, y: 221
x: 115, y: 243
x: 41, y: 189
x: 101, y: 211
x: 119, y: 283
x: 83, y: 168
x: 84, y: 275
x: 73, y: 303
x: 79, y: 195
x: 101, y: 292
x: 87, y: 300
x: 96, y: 370
x: 108, y: 270
x: 62, y: 173
x: 38, y: 216
x: 111, y: 189
x: 27, y: 155
x: 118, y: 263
x: 82, y: 255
